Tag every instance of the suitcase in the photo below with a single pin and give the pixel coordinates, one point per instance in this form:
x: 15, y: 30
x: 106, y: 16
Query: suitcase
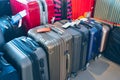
x: 7, y: 71
x: 105, y: 33
x: 57, y: 44
x: 93, y: 48
x: 76, y: 42
x: 32, y: 8
x: 99, y: 28
x: 43, y: 11
x: 112, y: 51
x: 5, y: 8
x: 63, y: 9
x: 79, y: 50
x: 8, y: 25
x: 28, y: 58
x: 50, y: 10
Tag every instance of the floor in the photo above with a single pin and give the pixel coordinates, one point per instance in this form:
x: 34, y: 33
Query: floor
x: 101, y: 69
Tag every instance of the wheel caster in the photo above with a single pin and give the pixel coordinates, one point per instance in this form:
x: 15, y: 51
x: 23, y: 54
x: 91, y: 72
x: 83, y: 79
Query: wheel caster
x: 68, y: 78
x: 73, y: 75
x: 96, y: 58
x: 87, y: 65
x: 99, y: 55
x: 84, y: 68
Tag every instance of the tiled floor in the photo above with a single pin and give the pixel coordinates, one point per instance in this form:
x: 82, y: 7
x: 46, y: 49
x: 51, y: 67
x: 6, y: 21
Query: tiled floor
x: 101, y: 69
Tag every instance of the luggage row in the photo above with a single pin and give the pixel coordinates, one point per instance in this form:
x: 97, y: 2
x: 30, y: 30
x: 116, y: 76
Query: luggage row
x: 54, y: 51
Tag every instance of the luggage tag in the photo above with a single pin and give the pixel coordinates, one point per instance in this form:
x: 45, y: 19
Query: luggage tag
x: 18, y: 18
x: 68, y: 24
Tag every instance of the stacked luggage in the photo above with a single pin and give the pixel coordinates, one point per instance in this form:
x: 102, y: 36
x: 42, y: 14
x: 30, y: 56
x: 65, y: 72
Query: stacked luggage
x: 54, y: 51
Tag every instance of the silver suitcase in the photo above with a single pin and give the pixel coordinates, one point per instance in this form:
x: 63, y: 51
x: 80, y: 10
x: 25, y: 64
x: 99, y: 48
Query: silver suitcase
x: 57, y: 44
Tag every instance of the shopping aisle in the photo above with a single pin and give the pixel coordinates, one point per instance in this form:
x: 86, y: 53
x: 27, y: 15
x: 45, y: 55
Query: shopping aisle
x: 101, y: 69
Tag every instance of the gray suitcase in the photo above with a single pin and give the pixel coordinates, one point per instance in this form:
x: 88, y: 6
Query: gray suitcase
x: 57, y: 44
x: 80, y: 42
x: 76, y: 44
x: 28, y: 58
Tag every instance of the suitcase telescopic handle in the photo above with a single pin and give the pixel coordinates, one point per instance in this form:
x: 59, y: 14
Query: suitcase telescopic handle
x: 68, y: 61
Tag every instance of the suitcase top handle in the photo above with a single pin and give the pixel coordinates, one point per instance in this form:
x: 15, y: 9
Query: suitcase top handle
x: 28, y: 41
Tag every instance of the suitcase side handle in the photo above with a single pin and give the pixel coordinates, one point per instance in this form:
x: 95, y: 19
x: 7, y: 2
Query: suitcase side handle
x: 68, y: 61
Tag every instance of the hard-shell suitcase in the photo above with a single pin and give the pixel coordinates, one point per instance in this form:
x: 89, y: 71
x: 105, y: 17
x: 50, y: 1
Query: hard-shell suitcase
x: 50, y: 10
x: 7, y: 71
x: 43, y: 11
x: 76, y: 43
x: 93, y: 47
x: 98, y: 26
x: 28, y: 58
x: 32, y: 8
x: 112, y: 51
x: 57, y: 44
x: 63, y: 9
x: 9, y: 26
x: 80, y: 42
x: 105, y: 34
x: 5, y: 8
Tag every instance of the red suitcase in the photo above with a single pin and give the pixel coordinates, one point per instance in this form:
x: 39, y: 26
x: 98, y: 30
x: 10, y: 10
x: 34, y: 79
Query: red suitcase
x: 51, y: 10
x: 81, y: 7
x: 33, y: 12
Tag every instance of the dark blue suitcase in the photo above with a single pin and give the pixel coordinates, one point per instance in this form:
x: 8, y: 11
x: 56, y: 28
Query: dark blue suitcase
x: 7, y: 72
x: 99, y: 28
x: 9, y: 26
x: 5, y: 8
x: 93, y: 41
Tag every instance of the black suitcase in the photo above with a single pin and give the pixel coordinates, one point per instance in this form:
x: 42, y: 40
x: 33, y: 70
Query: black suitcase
x: 5, y: 8
x: 7, y: 71
x: 112, y: 51
x: 28, y: 58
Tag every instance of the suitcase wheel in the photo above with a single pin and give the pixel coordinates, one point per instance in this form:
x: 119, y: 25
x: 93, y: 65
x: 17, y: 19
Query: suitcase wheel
x: 100, y: 55
x: 73, y: 75
x: 84, y: 68
x: 87, y: 65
